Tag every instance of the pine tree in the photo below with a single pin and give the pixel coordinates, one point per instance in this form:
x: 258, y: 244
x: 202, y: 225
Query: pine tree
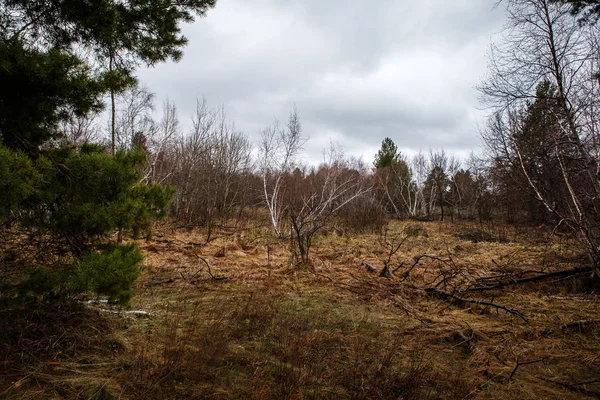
x: 39, y: 89
x: 77, y: 197
x: 116, y: 35
x: 388, y: 155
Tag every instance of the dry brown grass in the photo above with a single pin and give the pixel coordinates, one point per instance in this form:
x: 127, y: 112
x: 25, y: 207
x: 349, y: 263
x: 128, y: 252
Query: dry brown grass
x: 274, y: 331
x: 56, y: 351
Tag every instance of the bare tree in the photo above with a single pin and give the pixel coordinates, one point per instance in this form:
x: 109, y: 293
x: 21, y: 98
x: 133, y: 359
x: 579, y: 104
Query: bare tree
x: 156, y: 141
x: 436, y: 184
x: 319, y: 196
x: 396, y: 182
x: 409, y: 191
x: 480, y: 202
x: 456, y: 187
x: 419, y: 167
x: 278, y: 151
x: 134, y: 118
x: 210, y: 167
x: 81, y: 129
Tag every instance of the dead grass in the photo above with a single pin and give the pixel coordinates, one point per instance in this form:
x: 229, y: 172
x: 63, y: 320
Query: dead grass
x: 274, y: 345
x: 272, y: 331
x: 56, y: 351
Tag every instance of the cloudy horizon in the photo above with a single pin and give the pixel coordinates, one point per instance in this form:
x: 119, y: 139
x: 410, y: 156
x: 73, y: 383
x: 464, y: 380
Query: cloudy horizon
x: 356, y: 73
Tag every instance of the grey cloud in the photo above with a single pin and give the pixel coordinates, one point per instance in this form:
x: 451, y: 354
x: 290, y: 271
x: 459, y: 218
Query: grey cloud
x: 357, y: 70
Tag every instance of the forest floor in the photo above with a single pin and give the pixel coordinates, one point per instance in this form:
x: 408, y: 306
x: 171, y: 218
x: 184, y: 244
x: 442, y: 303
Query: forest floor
x: 332, y: 330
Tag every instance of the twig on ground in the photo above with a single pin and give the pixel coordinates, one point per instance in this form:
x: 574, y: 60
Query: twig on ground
x: 574, y: 386
x: 466, y: 340
x: 368, y: 267
x: 452, y: 296
x: 216, y: 278
x: 519, y: 363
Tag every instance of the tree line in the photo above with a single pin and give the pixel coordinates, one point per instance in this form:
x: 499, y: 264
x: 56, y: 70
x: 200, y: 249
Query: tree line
x: 220, y: 176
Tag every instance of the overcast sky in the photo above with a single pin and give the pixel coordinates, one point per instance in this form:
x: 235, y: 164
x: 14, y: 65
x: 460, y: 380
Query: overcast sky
x: 357, y: 70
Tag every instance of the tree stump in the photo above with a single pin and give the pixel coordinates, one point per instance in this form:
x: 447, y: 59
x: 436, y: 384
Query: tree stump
x: 386, y: 272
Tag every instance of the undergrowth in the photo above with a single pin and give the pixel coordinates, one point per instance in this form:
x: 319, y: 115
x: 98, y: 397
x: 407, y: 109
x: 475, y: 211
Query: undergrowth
x: 279, y: 346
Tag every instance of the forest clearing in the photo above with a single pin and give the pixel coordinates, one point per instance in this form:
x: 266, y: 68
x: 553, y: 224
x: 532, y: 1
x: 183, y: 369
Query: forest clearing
x: 391, y: 201
x: 333, y: 330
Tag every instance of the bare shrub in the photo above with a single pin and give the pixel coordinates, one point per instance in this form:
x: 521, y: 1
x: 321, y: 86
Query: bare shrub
x: 363, y: 215
x: 211, y: 170
x: 415, y: 230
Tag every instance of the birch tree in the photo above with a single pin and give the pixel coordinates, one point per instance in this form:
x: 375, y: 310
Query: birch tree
x: 279, y: 148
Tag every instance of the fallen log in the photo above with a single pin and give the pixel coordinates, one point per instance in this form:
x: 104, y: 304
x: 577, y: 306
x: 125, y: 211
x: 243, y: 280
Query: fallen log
x: 441, y: 293
x: 537, y: 278
x: 580, y: 326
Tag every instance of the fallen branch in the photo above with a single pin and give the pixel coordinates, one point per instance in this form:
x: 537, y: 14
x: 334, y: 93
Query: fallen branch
x: 398, y: 267
x: 407, y: 273
x: 169, y: 241
x: 580, y: 326
x: 537, y: 278
x: 452, y: 296
x: 449, y: 262
x: 466, y: 340
x: 519, y: 363
x: 369, y: 267
x: 573, y: 386
x: 162, y: 281
x: 216, y: 278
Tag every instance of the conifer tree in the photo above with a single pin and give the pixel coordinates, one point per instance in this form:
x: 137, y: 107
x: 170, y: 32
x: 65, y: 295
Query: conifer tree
x: 116, y: 35
x: 77, y: 197
x: 388, y: 155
